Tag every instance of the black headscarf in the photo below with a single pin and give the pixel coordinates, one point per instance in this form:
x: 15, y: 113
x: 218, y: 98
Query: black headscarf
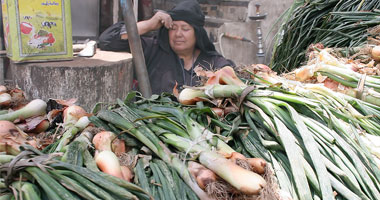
x: 190, y: 12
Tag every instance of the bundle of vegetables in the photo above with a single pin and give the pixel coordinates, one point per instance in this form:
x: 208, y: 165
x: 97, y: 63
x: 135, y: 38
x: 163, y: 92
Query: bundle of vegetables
x: 75, y: 119
x: 37, y: 122
x: 10, y: 97
x: 109, y: 155
x: 18, y: 119
x: 333, y: 23
x: 359, y: 104
x: 61, y: 128
x: 216, y: 171
x: 161, y: 180
x: 28, y: 116
x: 344, y: 77
x: 11, y: 137
x: 155, y: 176
x: 366, y: 56
x: 361, y: 114
x: 312, y: 141
x: 32, y: 175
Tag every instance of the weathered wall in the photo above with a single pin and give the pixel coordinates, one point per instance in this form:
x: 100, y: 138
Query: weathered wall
x: 274, y: 9
x: 237, y: 22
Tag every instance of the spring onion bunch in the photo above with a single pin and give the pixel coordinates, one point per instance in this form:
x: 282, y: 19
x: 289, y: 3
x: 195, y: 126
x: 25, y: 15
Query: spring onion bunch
x: 310, y: 128
x: 32, y: 175
x: 332, y: 23
x: 170, y: 127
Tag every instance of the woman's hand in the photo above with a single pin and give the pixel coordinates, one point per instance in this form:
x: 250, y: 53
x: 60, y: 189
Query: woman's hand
x: 160, y: 19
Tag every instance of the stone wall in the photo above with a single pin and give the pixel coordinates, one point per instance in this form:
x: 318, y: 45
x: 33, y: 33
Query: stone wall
x: 274, y: 10
x: 237, y: 22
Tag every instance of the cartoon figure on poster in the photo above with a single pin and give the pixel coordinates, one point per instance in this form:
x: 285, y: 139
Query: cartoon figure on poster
x: 39, y: 40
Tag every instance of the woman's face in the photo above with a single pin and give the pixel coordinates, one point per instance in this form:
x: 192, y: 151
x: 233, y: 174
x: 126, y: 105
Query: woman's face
x: 182, y: 37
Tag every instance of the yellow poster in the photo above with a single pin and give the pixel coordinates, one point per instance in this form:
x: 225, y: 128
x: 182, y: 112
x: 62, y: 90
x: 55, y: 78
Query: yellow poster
x: 38, y: 29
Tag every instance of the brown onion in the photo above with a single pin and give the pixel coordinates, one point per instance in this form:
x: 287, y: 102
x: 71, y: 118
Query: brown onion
x: 127, y: 173
x: 3, y: 89
x: 202, y: 175
x: 375, y: 53
x: 236, y: 155
x: 11, y: 138
x: 5, y: 100
x: 258, y: 165
x: 218, y: 111
x: 73, y: 113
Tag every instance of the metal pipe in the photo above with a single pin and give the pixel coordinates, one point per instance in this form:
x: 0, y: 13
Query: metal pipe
x: 260, y: 52
x: 136, y: 48
x: 2, y: 71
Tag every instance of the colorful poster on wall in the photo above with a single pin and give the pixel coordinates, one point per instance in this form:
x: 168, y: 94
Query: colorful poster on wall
x: 38, y: 29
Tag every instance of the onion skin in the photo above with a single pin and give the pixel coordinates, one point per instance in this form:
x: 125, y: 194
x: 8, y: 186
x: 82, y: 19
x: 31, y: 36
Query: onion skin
x: 118, y: 146
x: 202, y: 175
x: 11, y: 138
x: 73, y: 113
x: 305, y: 72
x: 102, y: 140
x: 205, y: 177
x: 7, y: 127
x: 3, y: 89
x: 218, y: 111
x: 105, y: 158
x: 235, y: 156
x: 5, y: 100
x: 375, y: 53
x: 213, y: 80
x: 17, y: 95
x: 106, y: 140
x: 230, y: 109
x: 258, y: 165
x: 190, y: 96
x: 42, y: 126
x: 127, y: 173
x: 227, y: 76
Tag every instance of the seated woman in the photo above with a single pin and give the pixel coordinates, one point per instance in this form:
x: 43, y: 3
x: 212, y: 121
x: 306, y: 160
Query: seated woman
x: 171, y: 55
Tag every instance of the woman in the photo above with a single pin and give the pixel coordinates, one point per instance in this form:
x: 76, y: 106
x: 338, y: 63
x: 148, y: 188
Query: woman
x: 171, y: 55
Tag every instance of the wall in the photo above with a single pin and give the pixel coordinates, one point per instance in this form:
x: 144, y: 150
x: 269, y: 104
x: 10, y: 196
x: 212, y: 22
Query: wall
x: 237, y: 22
x: 274, y: 10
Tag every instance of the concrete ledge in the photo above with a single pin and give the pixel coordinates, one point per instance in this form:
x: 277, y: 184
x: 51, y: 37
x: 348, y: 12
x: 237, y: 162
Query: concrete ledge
x: 101, y: 78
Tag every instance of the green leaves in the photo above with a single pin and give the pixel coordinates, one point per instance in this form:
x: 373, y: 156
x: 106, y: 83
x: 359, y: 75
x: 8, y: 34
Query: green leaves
x: 332, y: 23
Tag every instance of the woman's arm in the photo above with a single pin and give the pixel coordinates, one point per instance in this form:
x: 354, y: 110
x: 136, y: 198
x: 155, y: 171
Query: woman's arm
x: 157, y: 21
x: 113, y: 40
